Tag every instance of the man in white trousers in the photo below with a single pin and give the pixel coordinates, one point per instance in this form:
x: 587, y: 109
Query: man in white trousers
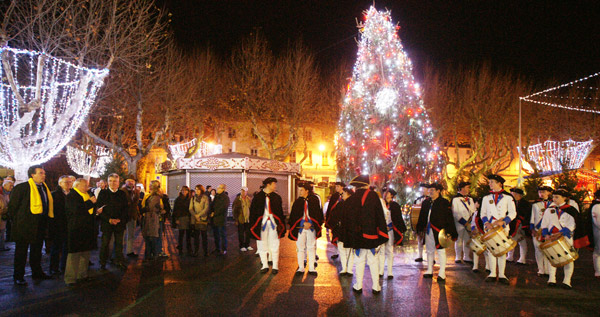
x: 306, y: 218
x: 463, y: 208
x: 535, y: 223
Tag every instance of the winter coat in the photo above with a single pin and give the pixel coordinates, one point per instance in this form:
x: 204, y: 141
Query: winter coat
x: 220, y: 207
x: 80, y: 223
x: 116, y: 206
x: 181, y: 212
x: 57, y: 226
x: 241, y: 209
x: 198, y: 210
x: 26, y: 227
x: 151, y: 209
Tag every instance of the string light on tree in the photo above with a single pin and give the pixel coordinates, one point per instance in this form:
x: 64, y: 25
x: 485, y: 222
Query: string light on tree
x: 89, y: 162
x: 43, y: 101
x: 383, y: 128
x: 552, y: 156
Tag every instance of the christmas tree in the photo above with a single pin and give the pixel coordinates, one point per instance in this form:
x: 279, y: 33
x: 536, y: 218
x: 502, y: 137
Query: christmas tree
x: 384, y: 130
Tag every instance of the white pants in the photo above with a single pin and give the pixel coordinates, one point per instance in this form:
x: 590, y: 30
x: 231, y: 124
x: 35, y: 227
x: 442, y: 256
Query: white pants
x: 387, y: 251
x: 306, y: 243
x: 130, y: 231
x: 542, y: 263
x: 346, y: 257
x: 431, y: 250
x: 268, y: 243
x: 522, y: 252
x: 461, y: 245
x: 420, y: 247
x: 486, y: 256
x: 365, y: 256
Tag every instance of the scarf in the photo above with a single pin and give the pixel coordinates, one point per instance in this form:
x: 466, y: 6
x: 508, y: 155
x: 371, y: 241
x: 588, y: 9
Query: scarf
x: 35, y: 199
x: 85, y: 197
x: 162, y: 206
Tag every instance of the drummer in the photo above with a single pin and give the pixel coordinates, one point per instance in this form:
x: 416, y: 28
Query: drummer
x: 477, y: 228
x: 535, y: 223
x: 463, y: 208
x: 436, y: 215
x: 520, y: 225
x: 497, y: 209
x: 560, y: 220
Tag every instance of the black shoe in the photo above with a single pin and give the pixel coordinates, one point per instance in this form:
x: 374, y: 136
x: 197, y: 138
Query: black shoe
x: 316, y: 257
x: 390, y: 277
x: 546, y: 275
x: 380, y: 275
x: 42, y: 276
x: 133, y: 255
x: 90, y: 263
x: 298, y: 273
x: 504, y: 281
x: 490, y: 279
x: 313, y: 273
x: 20, y: 282
x: 103, y: 267
x: 357, y: 291
x: 419, y: 260
x: 475, y: 271
x: 335, y: 256
x: 271, y: 263
x: 274, y: 271
x: 441, y: 280
x: 427, y: 275
x: 468, y: 262
x: 376, y: 292
x: 488, y: 271
x: 457, y: 261
x: 265, y: 270
x: 566, y: 286
x: 551, y: 284
x: 519, y: 263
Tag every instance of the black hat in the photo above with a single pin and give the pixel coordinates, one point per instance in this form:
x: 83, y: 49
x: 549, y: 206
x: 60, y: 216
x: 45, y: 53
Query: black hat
x: 517, y: 190
x: 306, y: 185
x: 496, y: 177
x: 360, y: 181
x: 391, y: 191
x: 340, y: 183
x: 462, y: 185
x: 548, y: 188
x: 424, y: 185
x: 269, y: 180
x: 562, y: 192
x: 437, y: 186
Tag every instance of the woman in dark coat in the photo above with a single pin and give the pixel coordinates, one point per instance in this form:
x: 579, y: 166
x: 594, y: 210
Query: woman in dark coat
x: 181, y: 217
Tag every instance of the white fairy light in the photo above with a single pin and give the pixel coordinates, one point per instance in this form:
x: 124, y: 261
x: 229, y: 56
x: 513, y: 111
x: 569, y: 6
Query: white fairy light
x: 551, y: 156
x: 90, y: 162
x: 42, y: 105
x: 386, y: 98
x: 179, y: 150
x: 544, y: 93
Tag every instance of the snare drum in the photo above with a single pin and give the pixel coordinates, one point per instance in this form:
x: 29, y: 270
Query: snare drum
x: 476, y: 245
x: 559, y: 251
x: 498, y: 242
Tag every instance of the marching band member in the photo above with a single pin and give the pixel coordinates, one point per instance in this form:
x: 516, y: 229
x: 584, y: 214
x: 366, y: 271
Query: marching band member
x: 334, y: 200
x: 266, y: 214
x: 419, y: 202
x: 364, y: 230
x: 497, y: 209
x: 520, y: 225
x: 436, y: 215
x: 595, y: 218
x: 535, y: 223
x: 477, y: 227
x: 569, y: 201
x: 305, y: 222
x: 335, y: 219
x: 463, y: 208
x: 560, y: 218
x: 395, y: 231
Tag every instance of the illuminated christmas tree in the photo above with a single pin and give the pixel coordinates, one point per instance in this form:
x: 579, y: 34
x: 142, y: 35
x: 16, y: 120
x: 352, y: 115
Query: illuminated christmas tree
x: 384, y: 129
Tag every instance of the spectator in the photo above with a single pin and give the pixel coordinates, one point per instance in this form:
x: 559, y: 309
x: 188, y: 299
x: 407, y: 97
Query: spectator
x: 199, y: 210
x: 152, y: 208
x: 29, y: 207
x: 181, y: 217
x: 113, y: 220
x: 241, y: 215
x: 7, y: 186
x: 57, y: 227
x: 141, y: 192
x: 161, y: 222
x: 79, y: 207
x: 100, y: 185
x: 219, y: 215
x: 133, y: 214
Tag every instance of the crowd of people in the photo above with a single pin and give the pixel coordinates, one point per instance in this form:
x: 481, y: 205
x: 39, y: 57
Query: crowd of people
x: 364, y: 224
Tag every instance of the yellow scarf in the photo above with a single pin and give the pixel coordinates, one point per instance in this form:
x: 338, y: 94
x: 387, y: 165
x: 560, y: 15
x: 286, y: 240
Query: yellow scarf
x: 162, y: 206
x: 85, y: 197
x: 35, y: 200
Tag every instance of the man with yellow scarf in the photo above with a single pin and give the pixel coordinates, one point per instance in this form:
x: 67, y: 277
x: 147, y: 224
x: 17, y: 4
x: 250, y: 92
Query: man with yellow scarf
x: 29, y: 208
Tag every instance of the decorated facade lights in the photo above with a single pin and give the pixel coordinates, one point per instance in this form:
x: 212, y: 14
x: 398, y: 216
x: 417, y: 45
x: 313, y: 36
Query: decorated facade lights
x: 383, y: 128
x: 43, y: 101
x: 88, y: 162
x: 552, y: 156
x: 179, y: 150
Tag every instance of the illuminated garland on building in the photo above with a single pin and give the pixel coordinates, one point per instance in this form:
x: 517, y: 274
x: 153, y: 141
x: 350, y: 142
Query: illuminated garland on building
x: 43, y: 101
x: 179, y: 150
x: 90, y: 162
x: 551, y: 156
x: 384, y: 129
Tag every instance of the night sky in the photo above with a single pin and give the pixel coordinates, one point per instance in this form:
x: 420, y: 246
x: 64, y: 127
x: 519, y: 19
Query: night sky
x: 542, y: 40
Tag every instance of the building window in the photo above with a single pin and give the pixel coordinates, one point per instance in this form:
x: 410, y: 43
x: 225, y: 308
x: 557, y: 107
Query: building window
x: 325, y: 159
x: 293, y: 157
x: 254, y: 152
x: 231, y: 133
x: 310, y: 158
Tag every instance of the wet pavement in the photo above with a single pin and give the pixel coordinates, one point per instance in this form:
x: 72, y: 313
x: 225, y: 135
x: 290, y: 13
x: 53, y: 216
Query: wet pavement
x: 231, y: 285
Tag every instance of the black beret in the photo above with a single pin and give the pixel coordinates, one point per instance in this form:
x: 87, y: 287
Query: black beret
x: 548, y: 188
x: 306, y: 185
x: 360, y: 181
x: 340, y: 183
x: 497, y: 178
x: 562, y: 192
x: 269, y: 180
x: 462, y: 185
x: 437, y: 186
x: 424, y: 185
x: 517, y: 190
x: 391, y: 191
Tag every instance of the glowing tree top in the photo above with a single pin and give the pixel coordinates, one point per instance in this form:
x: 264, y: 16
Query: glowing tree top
x: 43, y: 101
x: 384, y: 129
x: 90, y: 161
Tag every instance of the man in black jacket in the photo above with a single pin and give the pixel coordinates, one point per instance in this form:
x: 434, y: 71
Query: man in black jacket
x: 436, y: 214
x: 114, y: 218
x: 57, y: 226
x: 334, y: 200
x: 519, y: 227
x: 29, y: 207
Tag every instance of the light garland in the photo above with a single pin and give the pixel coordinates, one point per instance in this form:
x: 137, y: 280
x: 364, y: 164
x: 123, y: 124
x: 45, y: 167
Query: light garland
x: 44, y: 100
x: 179, y: 150
x: 383, y: 128
x: 551, y: 156
x: 90, y: 162
x: 544, y: 93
